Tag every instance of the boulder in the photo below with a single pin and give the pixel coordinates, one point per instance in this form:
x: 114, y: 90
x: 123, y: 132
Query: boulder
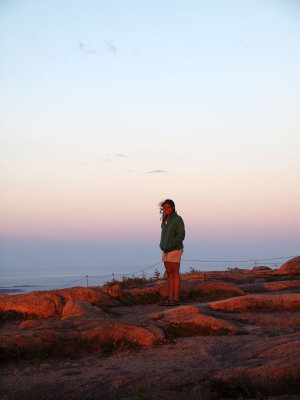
x: 177, y: 312
x: 291, y: 267
x: 118, y: 332
x: 81, y: 309
x: 260, y: 303
x: 191, y: 321
x: 270, y: 286
x: 45, y: 304
x: 201, y: 324
x: 113, y: 291
x: 64, y: 338
x: 37, y: 304
x: 93, y: 295
x: 273, y: 320
x: 261, y: 268
x: 283, y: 285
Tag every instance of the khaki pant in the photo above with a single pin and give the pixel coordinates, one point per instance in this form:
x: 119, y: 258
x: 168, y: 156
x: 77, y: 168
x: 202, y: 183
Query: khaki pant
x: 172, y: 256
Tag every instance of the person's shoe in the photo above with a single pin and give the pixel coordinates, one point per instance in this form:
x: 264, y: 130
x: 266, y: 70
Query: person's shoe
x: 165, y: 302
x: 173, y: 303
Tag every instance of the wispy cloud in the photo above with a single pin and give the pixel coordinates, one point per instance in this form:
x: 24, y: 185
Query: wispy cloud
x: 121, y: 155
x: 85, y: 49
x: 157, y: 171
x: 111, y: 47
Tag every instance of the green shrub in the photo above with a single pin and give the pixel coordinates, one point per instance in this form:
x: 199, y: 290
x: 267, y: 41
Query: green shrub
x: 157, y: 274
x: 193, y: 270
x: 140, y: 298
x: 11, y: 315
x: 127, y: 281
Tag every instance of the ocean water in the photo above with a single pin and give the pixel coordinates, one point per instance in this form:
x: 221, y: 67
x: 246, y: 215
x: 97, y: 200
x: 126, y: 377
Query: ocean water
x: 16, y: 282
x: 41, y: 264
x: 16, y: 285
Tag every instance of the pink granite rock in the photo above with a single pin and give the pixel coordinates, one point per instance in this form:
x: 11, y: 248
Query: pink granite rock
x: 291, y: 267
x: 80, y: 309
x: 45, y: 304
x: 260, y: 303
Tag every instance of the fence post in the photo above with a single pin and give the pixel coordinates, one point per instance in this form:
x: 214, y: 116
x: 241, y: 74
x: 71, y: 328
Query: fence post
x: 113, y: 275
x: 87, y: 281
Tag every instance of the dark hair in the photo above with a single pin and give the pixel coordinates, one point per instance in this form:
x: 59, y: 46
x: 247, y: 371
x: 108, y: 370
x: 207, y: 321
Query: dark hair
x: 161, y: 207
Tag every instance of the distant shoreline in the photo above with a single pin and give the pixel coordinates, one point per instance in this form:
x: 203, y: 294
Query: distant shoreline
x: 15, y: 289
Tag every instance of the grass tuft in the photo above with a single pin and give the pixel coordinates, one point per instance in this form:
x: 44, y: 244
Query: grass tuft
x: 129, y: 299
x: 11, y: 315
x: 126, y: 282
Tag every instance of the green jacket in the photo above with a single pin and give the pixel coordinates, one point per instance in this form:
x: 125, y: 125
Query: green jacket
x: 172, y: 234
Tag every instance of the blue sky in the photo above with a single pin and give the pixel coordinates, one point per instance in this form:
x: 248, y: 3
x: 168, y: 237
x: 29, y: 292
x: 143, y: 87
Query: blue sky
x: 109, y: 107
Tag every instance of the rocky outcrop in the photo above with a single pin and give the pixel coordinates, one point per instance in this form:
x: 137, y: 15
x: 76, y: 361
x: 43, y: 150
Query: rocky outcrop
x: 39, y: 338
x: 46, y: 304
x: 270, y: 286
x: 291, y: 267
x: 81, y: 309
x: 261, y: 268
x: 191, y: 321
x: 113, y: 291
x: 83, y: 341
x: 272, y: 320
x: 34, y: 304
x: 270, y: 367
x: 260, y: 303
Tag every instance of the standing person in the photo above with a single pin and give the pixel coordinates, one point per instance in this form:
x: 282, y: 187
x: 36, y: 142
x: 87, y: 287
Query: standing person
x: 172, y: 235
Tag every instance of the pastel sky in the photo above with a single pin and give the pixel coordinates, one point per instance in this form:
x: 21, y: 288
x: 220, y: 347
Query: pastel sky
x: 108, y: 107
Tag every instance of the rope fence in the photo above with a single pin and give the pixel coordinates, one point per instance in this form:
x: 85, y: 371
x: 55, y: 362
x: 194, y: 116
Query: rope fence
x: 159, y: 266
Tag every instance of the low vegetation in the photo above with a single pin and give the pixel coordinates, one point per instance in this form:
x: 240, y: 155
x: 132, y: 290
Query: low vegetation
x: 139, y: 298
x: 11, y: 315
x: 127, y: 281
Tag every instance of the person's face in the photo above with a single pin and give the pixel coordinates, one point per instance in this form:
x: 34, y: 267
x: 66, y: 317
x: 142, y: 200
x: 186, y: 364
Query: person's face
x: 168, y: 209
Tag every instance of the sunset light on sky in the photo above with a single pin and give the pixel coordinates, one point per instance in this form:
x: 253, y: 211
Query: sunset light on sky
x: 109, y: 107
